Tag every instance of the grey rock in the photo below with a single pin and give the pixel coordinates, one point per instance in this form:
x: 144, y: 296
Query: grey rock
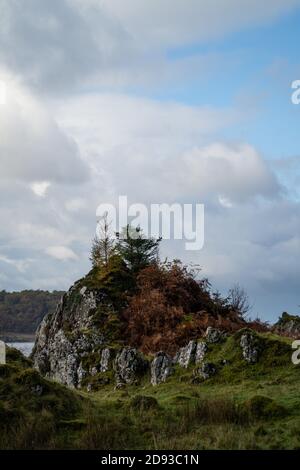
x: 187, y: 354
x: 207, y: 370
x: 175, y: 358
x: 93, y: 371
x: 161, y: 368
x: 37, y: 390
x: 129, y: 365
x: 201, y: 350
x: 213, y: 335
x: 249, y: 347
x: 81, y: 374
x: 67, y: 335
x: 89, y: 388
x: 105, y: 361
x: 288, y: 325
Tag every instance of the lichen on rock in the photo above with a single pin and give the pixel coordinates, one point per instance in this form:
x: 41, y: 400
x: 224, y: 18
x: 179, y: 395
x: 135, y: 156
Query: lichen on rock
x: 250, y: 349
x: 68, y: 335
x: 161, y: 368
x: 213, y: 335
x: 187, y: 354
x: 129, y: 366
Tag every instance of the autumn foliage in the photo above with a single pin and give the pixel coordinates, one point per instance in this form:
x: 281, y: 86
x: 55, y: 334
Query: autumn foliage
x: 170, y: 307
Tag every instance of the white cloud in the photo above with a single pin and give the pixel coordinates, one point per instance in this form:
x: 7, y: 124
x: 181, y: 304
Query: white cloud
x: 21, y: 265
x: 40, y: 188
x: 164, y: 142
x: 62, y: 253
x: 225, y: 202
x: 32, y: 146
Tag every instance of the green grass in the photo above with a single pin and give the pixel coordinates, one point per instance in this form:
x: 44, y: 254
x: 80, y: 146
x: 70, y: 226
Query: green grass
x: 242, y: 407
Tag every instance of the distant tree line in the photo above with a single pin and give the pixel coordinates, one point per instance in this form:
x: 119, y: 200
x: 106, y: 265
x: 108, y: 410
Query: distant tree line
x: 22, y: 312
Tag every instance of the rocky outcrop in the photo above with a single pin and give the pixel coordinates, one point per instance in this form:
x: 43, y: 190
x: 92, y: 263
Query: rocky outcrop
x: 206, y: 370
x: 288, y: 325
x: 193, y: 353
x: 129, y: 366
x: 187, y: 354
x: 67, y: 336
x: 106, y: 360
x: 201, y: 350
x: 161, y: 368
x: 250, y: 347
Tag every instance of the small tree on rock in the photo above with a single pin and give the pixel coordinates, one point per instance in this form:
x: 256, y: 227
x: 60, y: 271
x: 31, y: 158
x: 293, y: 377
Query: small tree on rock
x: 239, y: 300
x: 137, y: 251
x: 103, y: 246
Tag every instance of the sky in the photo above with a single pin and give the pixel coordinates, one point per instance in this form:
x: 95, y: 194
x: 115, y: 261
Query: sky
x: 164, y: 101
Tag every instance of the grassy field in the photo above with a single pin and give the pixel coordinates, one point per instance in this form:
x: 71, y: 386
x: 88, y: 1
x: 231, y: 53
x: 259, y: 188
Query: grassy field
x: 242, y: 407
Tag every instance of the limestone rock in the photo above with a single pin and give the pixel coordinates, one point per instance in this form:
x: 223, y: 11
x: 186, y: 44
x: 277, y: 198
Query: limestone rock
x: 37, y: 390
x: 207, y: 370
x: 187, y: 354
x: 249, y: 347
x: 201, y: 350
x: 81, y: 374
x: 68, y: 335
x: 93, y: 371
x: 129, y: 365
x: 213, y: 335
x: 161, y: 368
x: 288, y: 325
x: 105, y: 361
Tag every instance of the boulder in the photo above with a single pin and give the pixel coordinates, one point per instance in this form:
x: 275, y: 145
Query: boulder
x: 187, y: 354
x: 129, y: 365
x: 249, y: 347
x: 105, y: 361
x: 207, y: 370
x: 201, y: 350
x: 161, y: 368
x: 213, y: 335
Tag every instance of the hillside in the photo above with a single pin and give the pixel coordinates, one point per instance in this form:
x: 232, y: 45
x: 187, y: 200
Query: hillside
x: 22, y: 312
x: 244, y: 405
x: 156, y: 359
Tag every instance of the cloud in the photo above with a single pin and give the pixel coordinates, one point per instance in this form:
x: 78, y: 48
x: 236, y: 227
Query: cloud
x: 33, y: 148
x: 65, y: 146
x: 40, y: 188
x: 60, y: 44
x: 166, y: 143
x: 62, y: 253
x: 158, y: 152
x: 174, y: 21
x: 236, y: 171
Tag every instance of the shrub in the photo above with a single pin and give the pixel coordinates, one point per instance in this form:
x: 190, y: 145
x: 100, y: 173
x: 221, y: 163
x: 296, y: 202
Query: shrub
x: 263, y: 407
x: 143, y: 403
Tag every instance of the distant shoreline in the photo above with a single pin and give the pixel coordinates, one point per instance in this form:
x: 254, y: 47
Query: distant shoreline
x: 13, y: 337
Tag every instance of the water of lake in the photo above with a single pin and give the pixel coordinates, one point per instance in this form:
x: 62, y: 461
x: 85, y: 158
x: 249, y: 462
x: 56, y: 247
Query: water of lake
x: 25, y: 348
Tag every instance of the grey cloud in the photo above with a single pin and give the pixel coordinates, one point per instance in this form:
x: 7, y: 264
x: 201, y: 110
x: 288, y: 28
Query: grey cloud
x: 55, y: 44
x: 58, y: 44
x: 32, y: 146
